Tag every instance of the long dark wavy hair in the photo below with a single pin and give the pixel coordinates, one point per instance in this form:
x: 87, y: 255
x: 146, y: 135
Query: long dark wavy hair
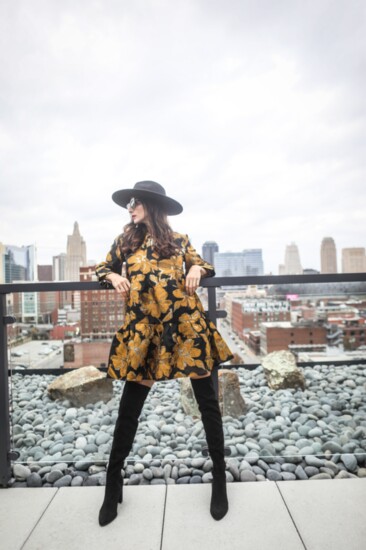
x: 159, y: 229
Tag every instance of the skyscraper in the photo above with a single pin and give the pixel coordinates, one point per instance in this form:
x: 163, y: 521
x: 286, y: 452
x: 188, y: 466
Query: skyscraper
x: 229, y: 264
x: 238, y: 264
x: 75, y: 254
x: 59, y: 267
x: 353, y: 260
x: 208, y: 251
x: 2, y: 263
x: 292, y: 260
x: 328, y: 256
x: 19, y: 263
x: 253, y: 261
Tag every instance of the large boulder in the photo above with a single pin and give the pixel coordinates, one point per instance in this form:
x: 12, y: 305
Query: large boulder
x: 187, y: 398
x: 82, y: 386
x: 230, y: 399
x: 281, y: 371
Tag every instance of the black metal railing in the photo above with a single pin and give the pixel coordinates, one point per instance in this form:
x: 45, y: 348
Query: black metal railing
x: 6, y: 453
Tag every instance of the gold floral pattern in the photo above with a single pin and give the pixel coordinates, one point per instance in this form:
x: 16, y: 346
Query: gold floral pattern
x: 166, y: 333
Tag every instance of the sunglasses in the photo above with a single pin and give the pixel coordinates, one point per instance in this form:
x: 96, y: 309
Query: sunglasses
x: 133, y: 203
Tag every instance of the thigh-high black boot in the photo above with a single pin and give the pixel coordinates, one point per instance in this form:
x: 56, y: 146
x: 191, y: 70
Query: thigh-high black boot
x: 212, y: 422
x: 132, y: 401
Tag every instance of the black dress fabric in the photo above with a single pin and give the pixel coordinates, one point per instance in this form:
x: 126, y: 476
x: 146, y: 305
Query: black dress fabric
x: 166, y: 333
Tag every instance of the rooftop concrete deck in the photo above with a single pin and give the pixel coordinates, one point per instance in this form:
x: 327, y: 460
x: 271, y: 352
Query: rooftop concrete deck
x: 285, y: 515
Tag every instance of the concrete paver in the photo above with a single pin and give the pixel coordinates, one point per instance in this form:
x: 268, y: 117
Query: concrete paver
x: 285, y: 515
x: 20, y: 510
x: 71, y: 521
x: 257, y: 519
x: 328, y: 514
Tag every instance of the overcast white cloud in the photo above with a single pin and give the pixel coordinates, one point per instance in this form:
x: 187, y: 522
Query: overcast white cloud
x: 250, y: 113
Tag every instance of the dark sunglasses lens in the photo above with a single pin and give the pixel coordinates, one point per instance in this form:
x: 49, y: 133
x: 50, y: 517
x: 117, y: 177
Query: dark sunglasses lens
x: 133, y: 203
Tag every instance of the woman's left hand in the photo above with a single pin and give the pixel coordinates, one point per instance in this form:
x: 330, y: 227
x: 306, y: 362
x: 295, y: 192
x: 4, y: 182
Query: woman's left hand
x: 193, y: 279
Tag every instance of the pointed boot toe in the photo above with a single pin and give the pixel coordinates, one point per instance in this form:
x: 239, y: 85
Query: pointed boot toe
x: 219, y: 502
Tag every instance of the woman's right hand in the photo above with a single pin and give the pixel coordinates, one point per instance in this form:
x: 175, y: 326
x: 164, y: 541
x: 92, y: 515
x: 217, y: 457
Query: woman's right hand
x: 121, y: 284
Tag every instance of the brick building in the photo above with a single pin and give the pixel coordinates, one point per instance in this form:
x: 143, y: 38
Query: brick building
x: 248, y: 315
x: 278, y: 336
x: 354, y: 333
x: 253, y: 341
x: 85, y: 354
x: 101, y: 310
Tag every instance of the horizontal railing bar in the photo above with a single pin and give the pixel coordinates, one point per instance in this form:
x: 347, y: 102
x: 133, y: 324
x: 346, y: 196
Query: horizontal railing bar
x: 247, y: 366
x: 208, y: 282
x: 285, y: 279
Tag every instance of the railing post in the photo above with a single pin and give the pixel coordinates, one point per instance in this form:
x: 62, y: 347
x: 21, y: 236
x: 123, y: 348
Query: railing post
x: 212, y: 313
x: 5, y: 469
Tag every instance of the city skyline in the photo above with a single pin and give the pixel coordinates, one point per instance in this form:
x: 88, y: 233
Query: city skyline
x: 280, y: 266
x: 250, y: 116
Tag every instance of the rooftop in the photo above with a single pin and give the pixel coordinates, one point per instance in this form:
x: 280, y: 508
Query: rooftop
x: 285, y: 515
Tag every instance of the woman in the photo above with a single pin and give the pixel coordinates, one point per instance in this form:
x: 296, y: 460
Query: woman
x: 165, y: 334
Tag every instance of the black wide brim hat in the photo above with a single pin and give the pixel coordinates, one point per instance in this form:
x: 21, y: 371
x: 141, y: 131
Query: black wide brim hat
x: 148, y: 191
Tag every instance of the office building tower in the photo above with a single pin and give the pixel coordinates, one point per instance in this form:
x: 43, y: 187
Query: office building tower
x: 353, y: 260
x: 229, y: 264
x: 49, y: 301
x: 208, y: 251
x: 239, y: 264
x: 75, y: 254
x: 2, y: 263
x: 292, y: 260
x: 59, y: 267
x: 19, y: 263
x: 253, y: 261
x: 328, y: 256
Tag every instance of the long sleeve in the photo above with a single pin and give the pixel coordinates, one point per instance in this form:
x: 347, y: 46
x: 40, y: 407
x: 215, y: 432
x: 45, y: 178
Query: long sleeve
x: 191, y: 257
x: 113, y: 262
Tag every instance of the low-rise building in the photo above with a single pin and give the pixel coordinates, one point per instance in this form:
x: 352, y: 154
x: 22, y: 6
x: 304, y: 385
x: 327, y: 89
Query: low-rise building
x: 249, y: 314
x: 101, y: 310
x: 279, y: 336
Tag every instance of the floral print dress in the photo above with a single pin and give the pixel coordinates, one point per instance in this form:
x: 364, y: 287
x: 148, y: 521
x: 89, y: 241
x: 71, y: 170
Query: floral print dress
x: 166, y: 333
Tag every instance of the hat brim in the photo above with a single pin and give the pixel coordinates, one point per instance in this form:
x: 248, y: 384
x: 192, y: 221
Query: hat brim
x: 170, y: 206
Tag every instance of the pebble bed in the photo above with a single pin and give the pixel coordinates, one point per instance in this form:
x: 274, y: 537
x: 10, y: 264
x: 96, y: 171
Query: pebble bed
x: 318, y: 433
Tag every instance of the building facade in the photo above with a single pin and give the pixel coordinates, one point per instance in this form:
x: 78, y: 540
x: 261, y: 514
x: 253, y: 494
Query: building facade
x: 253, y: 261
x: 328, y: 256
x: 49, y: 301
x: 209, y: 248
x: 279, y: 336
x: 239, y: 264
x: 248, y: 315
x: 101, y: 310
x: 75, y: 254
x: 59, y: 267
x: 292, y: 265
x: 353, y: 260
x: 18, y: 263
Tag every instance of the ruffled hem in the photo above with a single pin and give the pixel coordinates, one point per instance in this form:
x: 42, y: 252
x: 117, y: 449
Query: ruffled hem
x: 165, y: 351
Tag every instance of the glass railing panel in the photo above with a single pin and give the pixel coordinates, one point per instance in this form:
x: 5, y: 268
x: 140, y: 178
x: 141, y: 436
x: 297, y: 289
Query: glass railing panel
x: 325, y: 419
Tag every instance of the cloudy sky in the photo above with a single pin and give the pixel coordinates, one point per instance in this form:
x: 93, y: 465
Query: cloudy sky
x: 251, y: 113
